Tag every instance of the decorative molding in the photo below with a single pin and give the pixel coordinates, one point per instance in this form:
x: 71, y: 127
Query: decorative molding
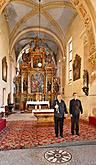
x: 76, y: 2
x: 2, y: 3
x: 92, y: 59
x: 57, y: 4
x: 82, y: 10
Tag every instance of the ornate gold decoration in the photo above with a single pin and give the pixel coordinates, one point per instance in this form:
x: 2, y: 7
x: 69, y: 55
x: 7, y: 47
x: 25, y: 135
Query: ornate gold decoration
x: 92, y: 59
x: 82, y: 10
x: 79, y: 5
x: 76, y: 2
x: 2, y: 2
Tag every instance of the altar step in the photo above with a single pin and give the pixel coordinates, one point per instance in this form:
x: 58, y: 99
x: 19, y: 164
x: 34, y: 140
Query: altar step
x: 44, y: 115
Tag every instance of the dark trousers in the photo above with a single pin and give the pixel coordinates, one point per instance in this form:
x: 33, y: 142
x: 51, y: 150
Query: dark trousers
x: 75, y: 123
x: 59, y: 126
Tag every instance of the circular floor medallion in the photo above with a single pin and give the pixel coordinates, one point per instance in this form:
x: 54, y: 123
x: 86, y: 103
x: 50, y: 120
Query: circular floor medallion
x: 58, y: 156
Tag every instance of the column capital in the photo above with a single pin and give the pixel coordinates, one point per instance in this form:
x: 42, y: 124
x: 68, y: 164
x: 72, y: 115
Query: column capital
x: 11, y: 58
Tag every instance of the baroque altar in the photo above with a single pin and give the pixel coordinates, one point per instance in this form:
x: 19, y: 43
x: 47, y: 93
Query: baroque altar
x: 36, y: 79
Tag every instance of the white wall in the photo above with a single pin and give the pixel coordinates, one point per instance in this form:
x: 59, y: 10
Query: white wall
x: 93, y: 3
x: 77, y: 32
x: 4, y: 51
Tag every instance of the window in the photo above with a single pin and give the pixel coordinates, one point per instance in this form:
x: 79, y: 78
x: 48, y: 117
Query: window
x: 70, y: 60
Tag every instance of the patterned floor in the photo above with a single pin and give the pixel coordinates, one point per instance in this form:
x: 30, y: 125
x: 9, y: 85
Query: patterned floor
x: 28, y: 134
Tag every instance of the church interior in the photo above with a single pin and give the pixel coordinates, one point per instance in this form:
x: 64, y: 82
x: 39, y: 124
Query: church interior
x: 46, y: 47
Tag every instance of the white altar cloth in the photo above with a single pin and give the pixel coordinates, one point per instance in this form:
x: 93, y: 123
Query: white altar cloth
x: 2, y: 109
x: 37, y: 102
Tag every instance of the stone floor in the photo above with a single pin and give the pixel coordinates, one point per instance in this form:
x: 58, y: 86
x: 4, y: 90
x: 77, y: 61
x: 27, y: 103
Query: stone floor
x: 69, y: 155
x: 21, y: 116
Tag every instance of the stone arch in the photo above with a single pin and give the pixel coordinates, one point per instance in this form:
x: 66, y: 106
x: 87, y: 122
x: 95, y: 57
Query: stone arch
x: 81, y: 8
x: 57, y: 39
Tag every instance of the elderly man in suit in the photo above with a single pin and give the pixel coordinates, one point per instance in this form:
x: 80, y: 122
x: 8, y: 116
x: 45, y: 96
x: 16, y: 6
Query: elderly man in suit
x: 75, y: 109
x: 59, y: 107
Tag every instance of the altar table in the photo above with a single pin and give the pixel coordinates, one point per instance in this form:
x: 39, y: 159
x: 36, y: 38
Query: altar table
x: 44, y: 115
x: 38, y: 103
x: 2, y: 109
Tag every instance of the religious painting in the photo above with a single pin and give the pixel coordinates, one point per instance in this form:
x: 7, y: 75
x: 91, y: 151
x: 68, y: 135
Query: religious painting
x: 76, y: 67
x: 37, y: 82
x: 4, y: 69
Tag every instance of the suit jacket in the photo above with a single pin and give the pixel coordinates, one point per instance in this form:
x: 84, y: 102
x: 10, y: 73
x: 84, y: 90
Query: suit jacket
x: 61, y: 108
x: 75, y: 107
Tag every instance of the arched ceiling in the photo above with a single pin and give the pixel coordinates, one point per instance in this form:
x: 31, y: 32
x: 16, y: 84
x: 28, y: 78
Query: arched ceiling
x: 56, y: 16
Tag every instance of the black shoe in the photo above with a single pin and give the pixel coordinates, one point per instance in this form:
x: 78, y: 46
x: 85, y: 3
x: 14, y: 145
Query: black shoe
x: 72, y: 133
x: 61, y: 136
x: 78, y: 134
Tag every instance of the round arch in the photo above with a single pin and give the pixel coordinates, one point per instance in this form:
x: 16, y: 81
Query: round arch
x: 84, y: 11
x: 36, y: 29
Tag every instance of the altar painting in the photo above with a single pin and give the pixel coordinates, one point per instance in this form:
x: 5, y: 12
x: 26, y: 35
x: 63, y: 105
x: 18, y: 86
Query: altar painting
x: 37, y: 83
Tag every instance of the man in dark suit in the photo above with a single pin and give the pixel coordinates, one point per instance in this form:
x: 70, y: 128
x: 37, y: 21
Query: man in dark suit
x: 75, y: 109
x: 59, y: 110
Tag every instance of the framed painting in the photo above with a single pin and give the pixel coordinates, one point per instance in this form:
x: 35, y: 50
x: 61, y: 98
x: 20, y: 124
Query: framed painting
x: 4, y: 69
x: 76, y: 67
x: 37, y: 82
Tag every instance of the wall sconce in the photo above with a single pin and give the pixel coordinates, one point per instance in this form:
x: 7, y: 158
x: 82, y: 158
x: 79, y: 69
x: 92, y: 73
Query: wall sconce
x: 85, y: 82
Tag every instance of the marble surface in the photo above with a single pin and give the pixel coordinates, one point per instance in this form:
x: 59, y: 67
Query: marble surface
x: 81, y: 155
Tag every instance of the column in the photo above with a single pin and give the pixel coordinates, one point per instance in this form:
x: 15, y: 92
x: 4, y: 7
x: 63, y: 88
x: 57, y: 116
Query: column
x: 11, y: 78
x: 22, y: 84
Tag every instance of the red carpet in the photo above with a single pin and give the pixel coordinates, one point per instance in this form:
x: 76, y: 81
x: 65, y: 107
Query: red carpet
x: 28, y: 134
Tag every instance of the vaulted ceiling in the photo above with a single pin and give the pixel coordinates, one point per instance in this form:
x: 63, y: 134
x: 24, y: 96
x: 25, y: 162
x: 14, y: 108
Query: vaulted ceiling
x: 56, y: 17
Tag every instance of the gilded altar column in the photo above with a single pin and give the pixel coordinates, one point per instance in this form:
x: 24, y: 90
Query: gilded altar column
x: 43, y: 59
x: 29, y: 85
x: 52, y: 81
x: 31, y: 56
x: 32, y: 61
x: 22, y: 84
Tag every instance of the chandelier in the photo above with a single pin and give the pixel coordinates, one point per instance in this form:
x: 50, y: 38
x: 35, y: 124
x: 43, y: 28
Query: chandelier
x: 39, y: 63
